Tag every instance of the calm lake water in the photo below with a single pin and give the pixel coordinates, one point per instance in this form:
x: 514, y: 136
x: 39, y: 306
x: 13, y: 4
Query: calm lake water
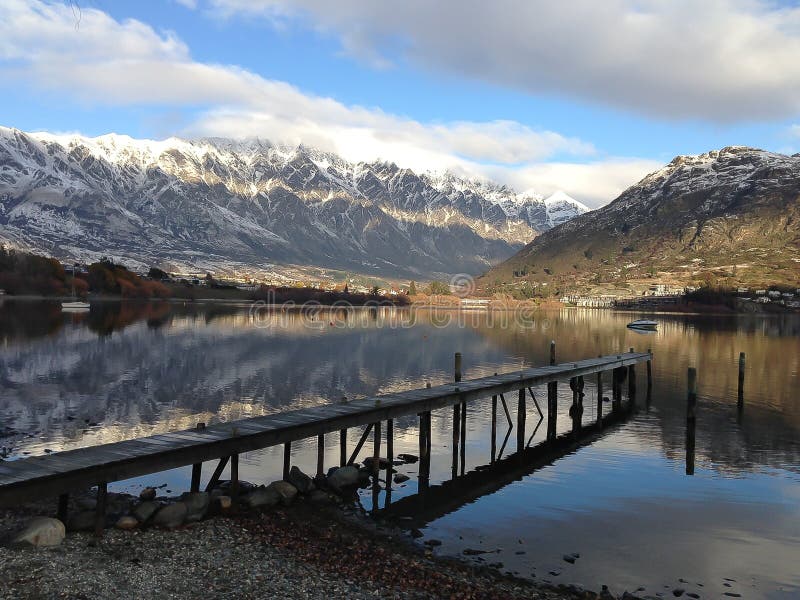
x: 624, y: 502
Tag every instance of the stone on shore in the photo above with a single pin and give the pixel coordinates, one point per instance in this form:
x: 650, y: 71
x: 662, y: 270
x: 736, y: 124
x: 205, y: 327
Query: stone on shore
x: 300, y: 480
x: 197, y: 504
x: 343, y: 478
x: 145, y: 511
x: 171, y: 516
x: 401, y: 478
x: 260, y: 497
x: 127, y: 522
x: 40, y: 532
x: 285, y: 490
x: 81, y: 521
x: 225, y: 503
x: 148, y: 493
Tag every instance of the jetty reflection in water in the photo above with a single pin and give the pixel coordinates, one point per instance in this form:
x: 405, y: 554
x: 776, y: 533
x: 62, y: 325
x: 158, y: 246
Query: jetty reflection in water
x: 623, y: 501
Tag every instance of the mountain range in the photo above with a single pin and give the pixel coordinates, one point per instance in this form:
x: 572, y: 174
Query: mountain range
x: 726, y: 217
x: 224, y: 205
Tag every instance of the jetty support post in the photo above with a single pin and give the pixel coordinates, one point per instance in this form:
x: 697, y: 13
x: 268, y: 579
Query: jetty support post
x: 600, y: 397
x: 552, y: 398
x: 287, y: 459
x: 320, y: 455
x: 63, y: 508
x: 234, y: 478
x: 631, y: 385
x: 342, y: 447
x: 650, y: 369
x: 197, y: 468
x: 521, y: 415
x: 494, y: 426
x: 740, y: 392
x: 574, y: 409
x: 100, y: 509
x: 463, y: 442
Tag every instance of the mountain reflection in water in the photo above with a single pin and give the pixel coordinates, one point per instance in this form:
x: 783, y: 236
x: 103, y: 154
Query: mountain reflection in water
x: 624, y: 502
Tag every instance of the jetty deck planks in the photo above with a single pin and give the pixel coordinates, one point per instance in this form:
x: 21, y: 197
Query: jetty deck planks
x: 62, y: 472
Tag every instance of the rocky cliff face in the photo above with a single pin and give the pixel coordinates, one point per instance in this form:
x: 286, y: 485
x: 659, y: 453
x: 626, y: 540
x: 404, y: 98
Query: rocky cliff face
x: 224, y: 204
x: 729, y: 215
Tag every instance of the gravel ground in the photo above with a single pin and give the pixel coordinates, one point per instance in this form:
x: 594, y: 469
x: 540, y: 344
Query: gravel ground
x: 305, y: 551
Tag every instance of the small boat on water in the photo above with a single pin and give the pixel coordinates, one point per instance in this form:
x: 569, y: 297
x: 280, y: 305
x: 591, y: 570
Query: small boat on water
x: 644, y: 324
x: 76, y: 306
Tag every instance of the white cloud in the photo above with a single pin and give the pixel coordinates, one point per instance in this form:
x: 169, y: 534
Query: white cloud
x: 719, y: 60
x: 794, y: 131
x: 128, y: 63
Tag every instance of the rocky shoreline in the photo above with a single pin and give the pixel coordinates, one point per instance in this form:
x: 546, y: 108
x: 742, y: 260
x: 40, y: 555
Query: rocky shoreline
x: 301, y: 538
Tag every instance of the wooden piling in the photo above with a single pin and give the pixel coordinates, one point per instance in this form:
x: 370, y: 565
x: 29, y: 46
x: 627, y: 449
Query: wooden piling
x: 456, y: 436
x: 197, y: 468
x: 631, y: 384
x: 320, y: 454
x: 463, y: 443
x: 552, y: 398
x: 287, y: 459
x: 235, y: 478
x: 740, y: 393
x: 376, y: 447
x: 521, y: 416
x: 212, y: 483
x: 599, y: 396
x: 100, y: 509
x: 691, y: 396
x: 389, y: 449
x: 62, y: 514
x: 552, y: 352
x: 342, y: 447
x: 494, y: 426
x: 457, y: 367
x: 650, y: 370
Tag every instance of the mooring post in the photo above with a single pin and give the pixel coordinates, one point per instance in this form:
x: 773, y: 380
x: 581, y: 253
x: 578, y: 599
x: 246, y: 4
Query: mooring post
x: 457, y: 369
x: 552, y: 352
x: 197, y: 468
x: 521, y: 415
x: 650, y: 369
x: 463, y: 443
x: 320, y: 454
x: 63, y: 508
x: 234, y: 478
x: 691, y: 397
x: 494, y: 427
x: 376, y: 448
x: 287, y: 459
x: 100, y: 509
x: 456, y: 436
x: 740, y: 394
x: 389, y: 449
x: 342, y: 447
x: 691, y: 402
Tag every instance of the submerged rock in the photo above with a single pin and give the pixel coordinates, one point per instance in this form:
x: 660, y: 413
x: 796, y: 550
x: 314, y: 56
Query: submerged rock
x: 40, y: 532
x: 408, y: 458
x: 401, y: 478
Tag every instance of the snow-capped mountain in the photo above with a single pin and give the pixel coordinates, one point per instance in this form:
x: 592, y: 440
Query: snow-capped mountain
x: 731, y: 215
x: 222, y: 204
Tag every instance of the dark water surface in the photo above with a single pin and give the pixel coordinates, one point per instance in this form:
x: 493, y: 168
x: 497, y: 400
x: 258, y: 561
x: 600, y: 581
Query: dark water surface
x: 623, y: 501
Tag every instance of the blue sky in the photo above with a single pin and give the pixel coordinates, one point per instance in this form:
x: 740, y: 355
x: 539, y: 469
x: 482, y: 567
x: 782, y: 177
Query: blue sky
x: 581, y: 98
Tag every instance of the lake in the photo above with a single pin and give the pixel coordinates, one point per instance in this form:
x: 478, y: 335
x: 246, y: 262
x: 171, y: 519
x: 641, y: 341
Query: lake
x: 638, y: 508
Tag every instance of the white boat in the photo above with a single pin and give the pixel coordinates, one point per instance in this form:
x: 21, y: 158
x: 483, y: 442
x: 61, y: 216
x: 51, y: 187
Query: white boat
x: 643, y: 324
x: 76, y: 306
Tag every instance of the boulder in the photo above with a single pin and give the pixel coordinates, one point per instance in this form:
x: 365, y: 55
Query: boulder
x: 381, y: 463
x: 127, y: 522
x: 323, y: 497
x: 401, y: 478
x: 40, y: 532
x: 197, y: 504
x: 262, y: 497
x: 285, y: 490
x: 148, y: 493
x: 343, y: 477
x: 224, y: 502
x: 145, y: 511
x: 408, y: 458
x: 171, y: 516
x: 81, y: 521
x: 300, y: 480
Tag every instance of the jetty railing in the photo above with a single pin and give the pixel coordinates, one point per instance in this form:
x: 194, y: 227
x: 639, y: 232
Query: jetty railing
x: 60, y: 473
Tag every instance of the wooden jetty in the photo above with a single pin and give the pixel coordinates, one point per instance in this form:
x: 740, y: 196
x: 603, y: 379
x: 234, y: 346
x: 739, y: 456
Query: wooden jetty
x: 60, y: 473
